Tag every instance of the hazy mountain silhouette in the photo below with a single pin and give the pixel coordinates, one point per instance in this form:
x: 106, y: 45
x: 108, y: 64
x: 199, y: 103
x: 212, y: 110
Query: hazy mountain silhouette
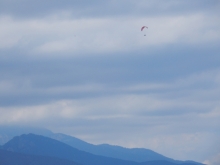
x: 44, y: 146
x: 13, y: 158
x: 133, y: 154
x: 165, y: 162
x: 8, y: 132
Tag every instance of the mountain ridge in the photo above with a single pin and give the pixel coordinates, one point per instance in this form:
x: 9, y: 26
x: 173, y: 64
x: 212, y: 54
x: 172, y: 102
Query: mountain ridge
x: 107, y: 150
x: 132, y: 154
x: 44, y: 146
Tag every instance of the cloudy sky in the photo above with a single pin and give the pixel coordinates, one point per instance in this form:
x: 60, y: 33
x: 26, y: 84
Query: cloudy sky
x: 84, y: 68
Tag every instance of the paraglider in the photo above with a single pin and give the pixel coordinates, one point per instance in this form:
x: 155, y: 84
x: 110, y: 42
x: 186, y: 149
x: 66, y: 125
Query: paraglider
x: 144, y: 27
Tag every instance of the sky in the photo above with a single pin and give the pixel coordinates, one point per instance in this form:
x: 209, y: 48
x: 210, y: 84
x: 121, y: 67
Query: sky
x: 84, y: 68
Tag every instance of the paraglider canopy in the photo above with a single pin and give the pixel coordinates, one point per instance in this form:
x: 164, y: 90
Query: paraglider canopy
x: 143, y: 27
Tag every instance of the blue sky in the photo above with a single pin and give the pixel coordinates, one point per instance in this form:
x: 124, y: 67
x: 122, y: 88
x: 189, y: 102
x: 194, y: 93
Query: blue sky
x: 85, y: 69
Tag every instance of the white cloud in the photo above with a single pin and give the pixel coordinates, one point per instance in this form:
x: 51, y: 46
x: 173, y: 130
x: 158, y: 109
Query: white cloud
x: 36, y: 114
x: 138, y: 99
x: 214, y: 160
x: 62, y: 34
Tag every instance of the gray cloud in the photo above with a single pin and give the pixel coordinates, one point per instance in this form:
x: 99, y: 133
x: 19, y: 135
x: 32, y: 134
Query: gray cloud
x: 36, y: 79
x: 82, y: 67
x: 85, y: 8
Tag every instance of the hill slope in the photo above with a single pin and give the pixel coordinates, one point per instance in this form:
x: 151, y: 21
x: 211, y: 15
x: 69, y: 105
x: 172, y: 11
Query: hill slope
x: 39, y: 145
x: 133, y: 154
x: 8, y: 132
x: 13, y: 158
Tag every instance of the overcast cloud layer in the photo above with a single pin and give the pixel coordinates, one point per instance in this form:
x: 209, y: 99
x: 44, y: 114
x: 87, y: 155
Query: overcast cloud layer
x: 84, y: 68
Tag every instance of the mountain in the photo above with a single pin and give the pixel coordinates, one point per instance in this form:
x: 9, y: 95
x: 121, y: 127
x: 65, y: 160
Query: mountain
x: 12, y: 158
x: 165, y: 162
x: 8, y: 132
x: 133, y: 154
x: 44, y: 146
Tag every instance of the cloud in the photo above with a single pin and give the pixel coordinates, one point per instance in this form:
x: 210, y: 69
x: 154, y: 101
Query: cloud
x: 57, y: 31
x: 215, y: 160
x: 84, y: 67
x: 137, y: 98
x: 97, y: 8
x: 52, y: 36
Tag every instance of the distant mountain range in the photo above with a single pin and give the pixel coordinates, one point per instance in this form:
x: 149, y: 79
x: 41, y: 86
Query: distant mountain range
x: 133, y: 154
x: 67, y: 148
x: 44, y: 146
